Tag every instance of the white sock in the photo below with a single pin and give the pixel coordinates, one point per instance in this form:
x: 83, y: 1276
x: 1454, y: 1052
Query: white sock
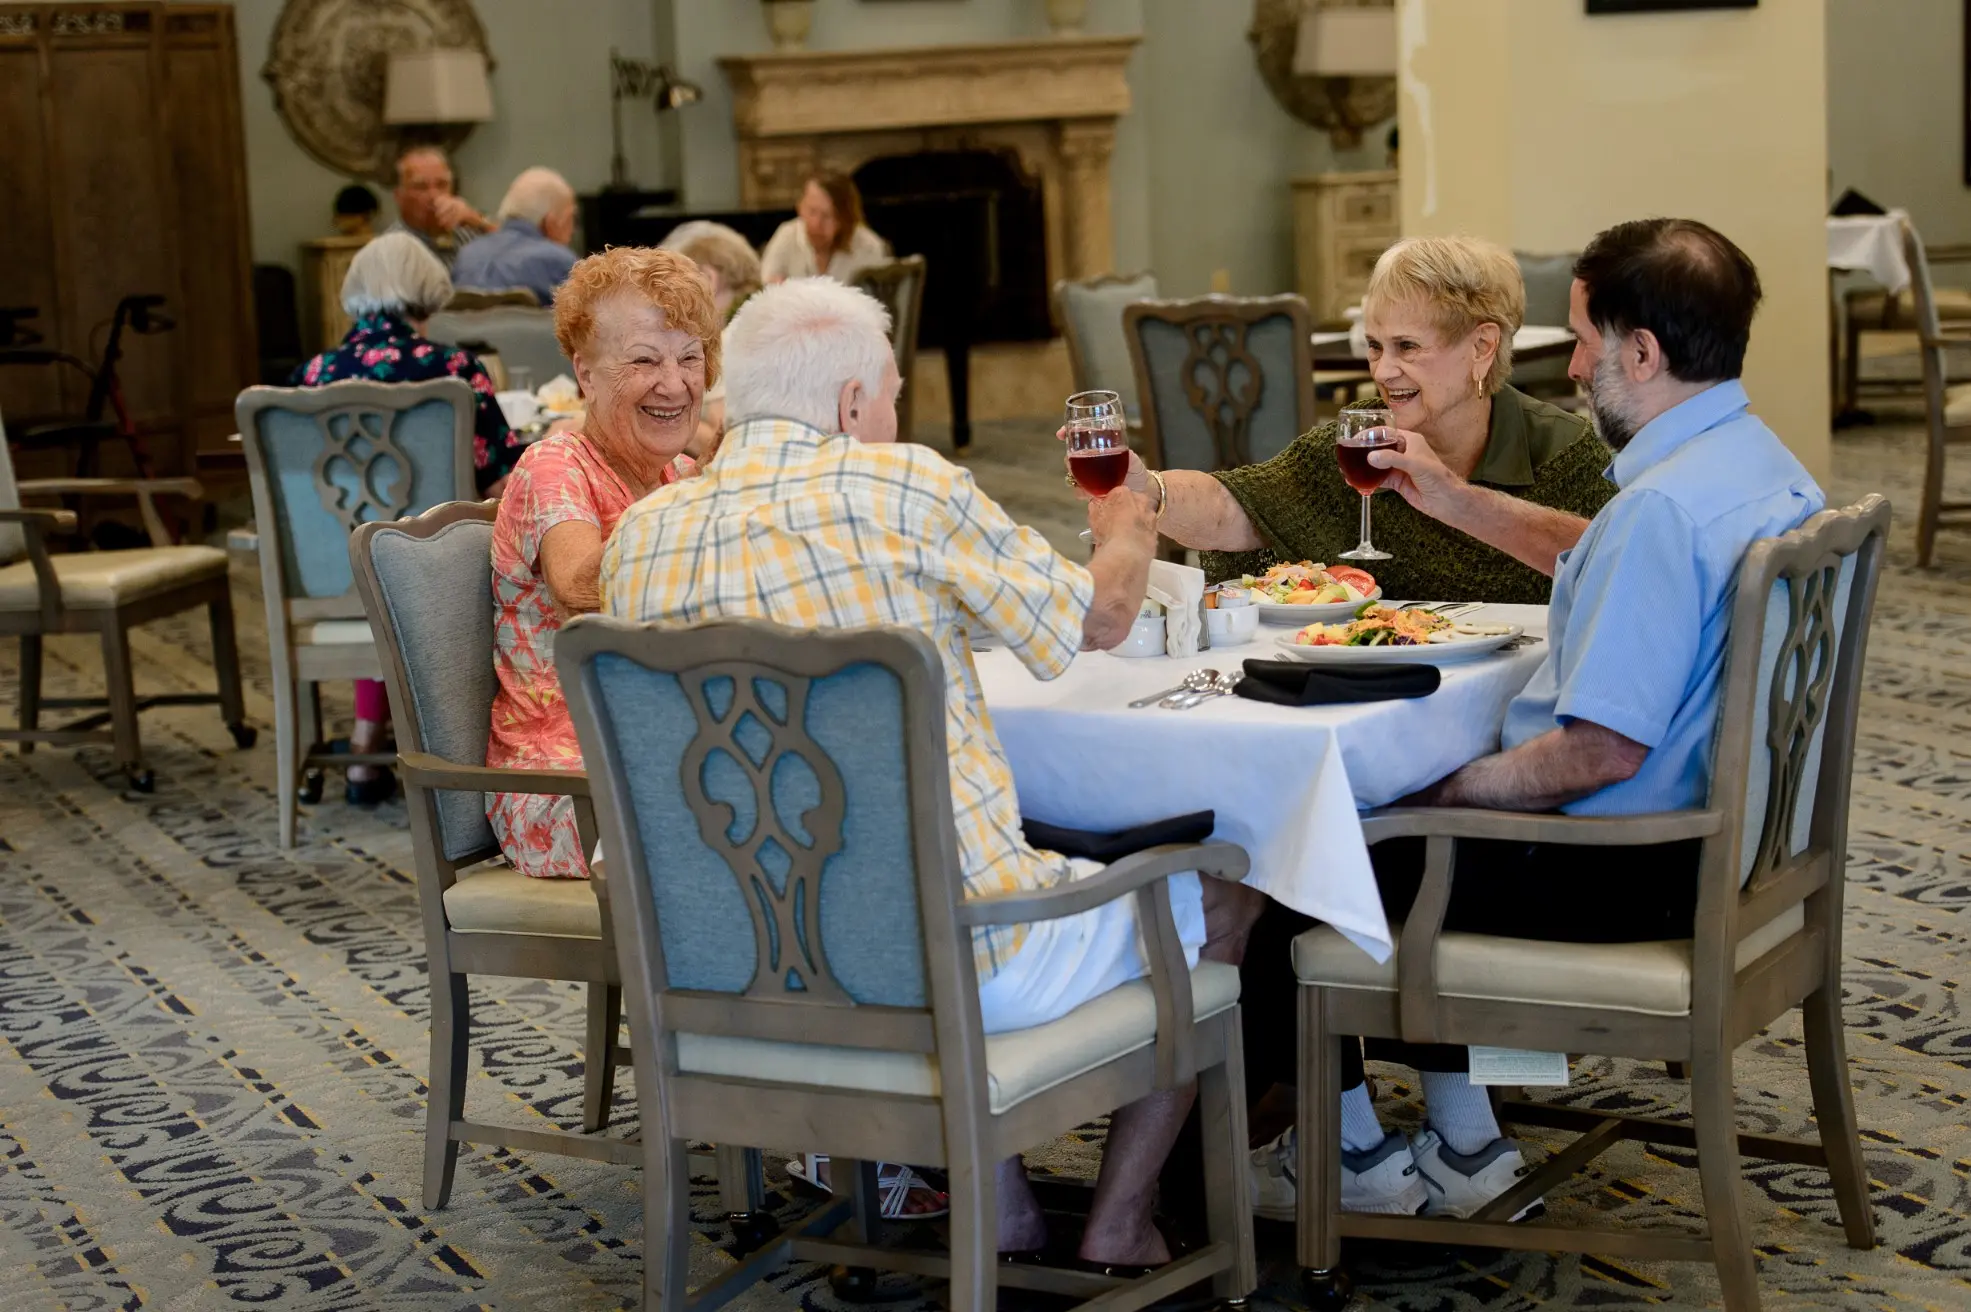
x: 1460, y: 1111
x: 1360, y: 1130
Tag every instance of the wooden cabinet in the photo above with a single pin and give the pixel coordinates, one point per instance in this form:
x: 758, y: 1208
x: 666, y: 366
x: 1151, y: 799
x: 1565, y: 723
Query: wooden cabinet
x: 124, y: 173
x: 1342, y: 223
x: 324, y: 264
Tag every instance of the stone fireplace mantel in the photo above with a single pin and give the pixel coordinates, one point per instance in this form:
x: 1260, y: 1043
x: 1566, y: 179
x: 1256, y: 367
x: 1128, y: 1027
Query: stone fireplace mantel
x: 1053, y: 102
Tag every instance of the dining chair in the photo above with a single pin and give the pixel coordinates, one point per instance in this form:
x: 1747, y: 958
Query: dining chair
x: 426, y: 585
x: 1088, y: 311
x: 321, y: 461
x: 899, y: 286
x: 1225, y: 381
x: 108, y: 593
x: 1946, y: 406
x: 798, y: 964
x: 1548, y: 281
x: 1877, y: 310
x: 487, y: 298
x: 521, y: 336
x: 1769, y: 919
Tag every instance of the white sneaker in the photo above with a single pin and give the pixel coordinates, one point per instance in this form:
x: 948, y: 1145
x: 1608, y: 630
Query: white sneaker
x: 1383, y: 1180
x: 1459, y: 1185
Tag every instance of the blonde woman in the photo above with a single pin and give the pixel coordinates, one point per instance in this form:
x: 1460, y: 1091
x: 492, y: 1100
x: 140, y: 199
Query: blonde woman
x: 1492, y: 483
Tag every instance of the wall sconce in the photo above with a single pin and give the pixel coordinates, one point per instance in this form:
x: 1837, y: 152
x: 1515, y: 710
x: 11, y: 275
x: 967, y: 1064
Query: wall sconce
x: 636, y: 79
x: 430, y: 88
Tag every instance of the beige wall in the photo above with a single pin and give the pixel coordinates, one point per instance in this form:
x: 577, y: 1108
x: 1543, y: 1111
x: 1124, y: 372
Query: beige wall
x: 1895, y: 109
x: 1529, y: 122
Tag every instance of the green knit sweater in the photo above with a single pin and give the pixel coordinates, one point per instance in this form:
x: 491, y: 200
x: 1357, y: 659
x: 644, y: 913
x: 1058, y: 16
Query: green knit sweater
x: 1303, y: 510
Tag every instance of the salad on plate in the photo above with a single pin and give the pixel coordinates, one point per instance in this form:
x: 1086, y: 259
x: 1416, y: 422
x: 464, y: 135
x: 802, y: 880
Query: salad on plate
x: 1381, y: 626
x: 1305, y: 583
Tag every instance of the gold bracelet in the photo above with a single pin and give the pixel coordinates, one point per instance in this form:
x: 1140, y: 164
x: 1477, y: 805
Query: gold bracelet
x: 1163, y: 493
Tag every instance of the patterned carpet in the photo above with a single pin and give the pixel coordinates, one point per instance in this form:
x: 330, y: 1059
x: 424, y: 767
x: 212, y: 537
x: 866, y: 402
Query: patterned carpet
x: 212, y: 1052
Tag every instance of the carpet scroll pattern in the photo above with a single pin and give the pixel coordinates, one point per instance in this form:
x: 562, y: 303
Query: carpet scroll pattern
x: 212, y: 1053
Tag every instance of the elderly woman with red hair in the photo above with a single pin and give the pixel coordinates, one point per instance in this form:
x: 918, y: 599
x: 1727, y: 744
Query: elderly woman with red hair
x: 643, y: 334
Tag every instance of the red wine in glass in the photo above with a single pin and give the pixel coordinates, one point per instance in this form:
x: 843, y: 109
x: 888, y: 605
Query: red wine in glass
x: 1099, y: 472
x: 1354, y: 460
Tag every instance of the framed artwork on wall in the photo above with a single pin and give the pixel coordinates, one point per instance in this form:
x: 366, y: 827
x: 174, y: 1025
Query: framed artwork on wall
x: 1664, y: 6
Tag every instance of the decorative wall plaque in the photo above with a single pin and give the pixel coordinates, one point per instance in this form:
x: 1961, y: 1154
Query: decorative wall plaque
x: 326, y: 64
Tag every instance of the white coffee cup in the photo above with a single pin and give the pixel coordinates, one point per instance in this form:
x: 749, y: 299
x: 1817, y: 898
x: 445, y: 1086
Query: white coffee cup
x: 1232, y: 626
x: 1145, y: 637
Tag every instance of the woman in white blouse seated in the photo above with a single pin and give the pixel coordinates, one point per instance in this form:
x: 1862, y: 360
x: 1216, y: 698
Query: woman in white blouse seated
x: 827, y: 235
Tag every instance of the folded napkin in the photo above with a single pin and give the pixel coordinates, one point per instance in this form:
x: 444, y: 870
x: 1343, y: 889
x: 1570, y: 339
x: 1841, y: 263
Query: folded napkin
x: 1192, y: 828
x: 1179, y: 589
x: 1290, y: 683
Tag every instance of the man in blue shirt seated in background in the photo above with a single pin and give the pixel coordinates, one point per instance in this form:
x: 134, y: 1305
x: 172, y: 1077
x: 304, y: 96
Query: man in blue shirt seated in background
x: 1618, y: 720
x: 530, y: 247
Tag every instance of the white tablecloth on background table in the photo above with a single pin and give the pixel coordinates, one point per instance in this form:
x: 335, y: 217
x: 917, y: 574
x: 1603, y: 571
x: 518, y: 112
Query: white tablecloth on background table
x: 1285, y: 782
x: 1871, y: 244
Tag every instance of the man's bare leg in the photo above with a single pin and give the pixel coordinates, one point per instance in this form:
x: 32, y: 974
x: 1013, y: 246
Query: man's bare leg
x: 1022, y: 1227
x: 1120, y: 1231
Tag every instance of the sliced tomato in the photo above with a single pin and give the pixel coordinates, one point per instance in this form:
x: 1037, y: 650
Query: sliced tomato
x: 1360, y: 580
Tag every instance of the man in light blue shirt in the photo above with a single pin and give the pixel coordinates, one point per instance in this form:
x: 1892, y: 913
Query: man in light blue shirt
x: 1619, y: 718
x: 530, y: 247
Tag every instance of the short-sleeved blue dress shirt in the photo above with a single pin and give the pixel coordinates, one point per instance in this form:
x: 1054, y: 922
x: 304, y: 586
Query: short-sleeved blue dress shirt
x: 1642, y: 602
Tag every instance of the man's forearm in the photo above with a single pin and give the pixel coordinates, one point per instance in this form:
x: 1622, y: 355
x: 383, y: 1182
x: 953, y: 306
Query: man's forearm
x: 1121, y: 570
x: 1201, y: 514
x: 1525, y: 530
x: 1541, y: 775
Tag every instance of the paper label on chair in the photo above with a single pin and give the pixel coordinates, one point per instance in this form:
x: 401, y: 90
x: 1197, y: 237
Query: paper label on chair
x: 1517, y: 1066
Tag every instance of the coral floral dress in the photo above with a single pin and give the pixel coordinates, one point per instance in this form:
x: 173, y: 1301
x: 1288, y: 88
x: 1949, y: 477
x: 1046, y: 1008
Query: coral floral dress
x: 558, y: 479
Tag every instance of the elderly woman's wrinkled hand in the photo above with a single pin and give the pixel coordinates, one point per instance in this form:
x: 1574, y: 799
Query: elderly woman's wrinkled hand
x: 1121, y: 515
x: 1418, y: 476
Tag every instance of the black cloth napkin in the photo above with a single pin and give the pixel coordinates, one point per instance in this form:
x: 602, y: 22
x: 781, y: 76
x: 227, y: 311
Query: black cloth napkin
x: 1290, y: 683
x: 1192, y: 828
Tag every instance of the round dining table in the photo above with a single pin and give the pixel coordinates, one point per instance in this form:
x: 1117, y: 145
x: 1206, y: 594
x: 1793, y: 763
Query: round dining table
x: 1287, y: 783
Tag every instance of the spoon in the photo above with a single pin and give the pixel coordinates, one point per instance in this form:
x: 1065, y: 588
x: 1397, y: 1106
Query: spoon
x: 1190, y: 686
x: 1220, y: 687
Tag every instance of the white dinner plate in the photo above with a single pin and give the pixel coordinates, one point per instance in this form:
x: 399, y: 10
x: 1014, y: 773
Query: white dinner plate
x: 1333, y: 612
x: 1462, y: 648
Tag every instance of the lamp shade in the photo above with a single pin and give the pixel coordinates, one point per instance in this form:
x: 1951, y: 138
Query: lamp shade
x: 1346, y: 42
x: 437, y: 86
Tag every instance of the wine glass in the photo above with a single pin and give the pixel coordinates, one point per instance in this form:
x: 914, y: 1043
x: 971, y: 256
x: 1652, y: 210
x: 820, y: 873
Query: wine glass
x: 1098, y: 442
x: 1363, y: 431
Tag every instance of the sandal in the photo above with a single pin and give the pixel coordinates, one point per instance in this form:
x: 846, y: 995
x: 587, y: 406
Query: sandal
x: 894, y: 1184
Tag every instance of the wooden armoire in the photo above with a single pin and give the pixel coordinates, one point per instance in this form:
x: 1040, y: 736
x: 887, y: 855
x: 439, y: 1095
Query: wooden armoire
x: 123, y: 170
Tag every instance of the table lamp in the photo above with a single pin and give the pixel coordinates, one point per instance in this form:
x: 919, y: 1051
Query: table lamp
x: 437, y: 86
x: 1346, y: 41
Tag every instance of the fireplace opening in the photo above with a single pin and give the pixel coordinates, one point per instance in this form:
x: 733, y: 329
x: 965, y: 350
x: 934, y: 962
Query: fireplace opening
x: 978, y: 221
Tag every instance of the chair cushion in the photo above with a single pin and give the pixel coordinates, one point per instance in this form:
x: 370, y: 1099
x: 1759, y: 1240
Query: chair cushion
x: 97, y: 580
x: 501, y: 900
x: 1953, y: 304
x: 1649, y: 979
x: 336, y: 633
x: 1019, y: 1063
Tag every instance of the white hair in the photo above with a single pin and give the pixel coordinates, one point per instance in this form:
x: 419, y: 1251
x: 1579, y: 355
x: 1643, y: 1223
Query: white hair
x: 395, y: 274
x: 791, y: 347
x: 535, y: 194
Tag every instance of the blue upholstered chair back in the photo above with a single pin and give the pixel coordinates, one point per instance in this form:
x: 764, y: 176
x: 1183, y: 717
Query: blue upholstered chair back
x: 523, y: 336
x: 1090, y: 315
x: 1225, y: 381
x: 325, y: 459
x: 438, y: 594
x: 1804, y: 684
x: 1548, y: 280
x: 771, y: 811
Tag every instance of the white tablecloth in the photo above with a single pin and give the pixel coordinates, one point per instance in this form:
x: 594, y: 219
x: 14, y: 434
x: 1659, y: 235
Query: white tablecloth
x: 1871, y: 244
x: 1285, y: 782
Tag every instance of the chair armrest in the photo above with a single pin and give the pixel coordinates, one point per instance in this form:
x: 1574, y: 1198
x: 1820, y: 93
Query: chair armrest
x: 1539, y: 827
x: 144, y: 489
x: 428, y: 771
x: 85, y: 487
x: 38, y: 520
x: 1137, y: 870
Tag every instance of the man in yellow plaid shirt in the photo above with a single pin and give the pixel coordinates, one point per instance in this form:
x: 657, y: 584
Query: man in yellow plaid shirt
x: 812, y: 515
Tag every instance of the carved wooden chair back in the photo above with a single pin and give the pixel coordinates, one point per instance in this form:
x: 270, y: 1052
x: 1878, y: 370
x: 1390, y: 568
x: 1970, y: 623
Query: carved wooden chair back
x: 1224, y: 381
x: 899, y: 285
